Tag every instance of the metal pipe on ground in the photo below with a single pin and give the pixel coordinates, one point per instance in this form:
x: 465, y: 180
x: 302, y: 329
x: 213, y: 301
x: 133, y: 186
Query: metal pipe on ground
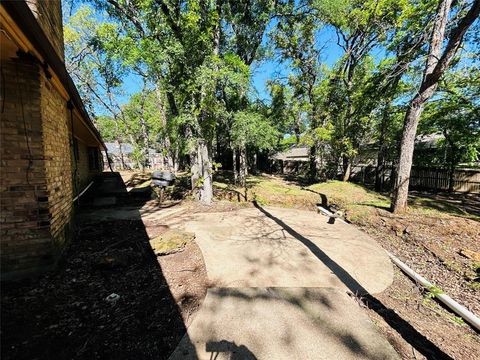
x: 83, y: 192
x: 458, y: 309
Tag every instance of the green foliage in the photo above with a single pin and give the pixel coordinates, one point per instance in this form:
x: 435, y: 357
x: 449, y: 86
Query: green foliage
x: 194, y: 61
x: 455, y: 116
x: 252, y: 129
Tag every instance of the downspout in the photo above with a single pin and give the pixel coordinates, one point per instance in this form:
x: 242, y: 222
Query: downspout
x: 75, y: 172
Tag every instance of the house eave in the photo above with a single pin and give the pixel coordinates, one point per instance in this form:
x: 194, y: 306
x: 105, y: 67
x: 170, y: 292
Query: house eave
x: 34, y: 41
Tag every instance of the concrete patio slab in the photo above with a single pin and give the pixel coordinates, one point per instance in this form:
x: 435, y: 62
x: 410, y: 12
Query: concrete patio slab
x: 279, y: 323
x: 281, y: 279
x: 276, y: 247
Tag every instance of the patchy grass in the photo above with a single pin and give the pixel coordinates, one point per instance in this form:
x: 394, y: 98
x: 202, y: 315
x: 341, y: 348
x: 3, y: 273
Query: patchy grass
x: 345, y: 194
x: 431, y: 206
x: 356, y: 201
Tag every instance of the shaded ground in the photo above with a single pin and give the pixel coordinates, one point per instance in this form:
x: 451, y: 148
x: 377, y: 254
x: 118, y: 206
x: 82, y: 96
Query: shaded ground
x: 282, y: 324
x: 65, y: 314
x: 276, y: 251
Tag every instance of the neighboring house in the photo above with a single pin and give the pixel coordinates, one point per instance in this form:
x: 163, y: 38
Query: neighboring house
x: 367, y: 155
x: 293, y: 160
x: 295, y: 153
x: 121, y: 157
x: 50, y: 149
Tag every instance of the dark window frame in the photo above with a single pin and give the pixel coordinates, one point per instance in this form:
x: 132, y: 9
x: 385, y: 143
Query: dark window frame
x: 93, y: 158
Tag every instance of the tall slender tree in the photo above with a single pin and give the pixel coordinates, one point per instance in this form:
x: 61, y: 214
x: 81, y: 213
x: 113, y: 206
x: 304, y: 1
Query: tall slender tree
x: 437, y: 62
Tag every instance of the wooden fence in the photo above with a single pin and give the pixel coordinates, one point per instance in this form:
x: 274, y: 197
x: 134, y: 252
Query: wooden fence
x: 464, y: 180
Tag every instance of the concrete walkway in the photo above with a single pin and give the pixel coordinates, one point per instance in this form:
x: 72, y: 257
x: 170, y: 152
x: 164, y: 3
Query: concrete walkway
x: 280, y: 280
x: 281, y: 324
x: 276, y: 247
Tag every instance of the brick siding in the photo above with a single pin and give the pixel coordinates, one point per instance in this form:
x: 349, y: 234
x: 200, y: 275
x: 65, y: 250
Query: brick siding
x: 83, y: 174
x: 37, y: 163
x: 58, y: 162
x: 25, y: 219
x: 49, y: 15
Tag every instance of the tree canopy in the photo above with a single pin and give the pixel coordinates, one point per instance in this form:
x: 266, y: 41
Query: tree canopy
x: 181, y: 77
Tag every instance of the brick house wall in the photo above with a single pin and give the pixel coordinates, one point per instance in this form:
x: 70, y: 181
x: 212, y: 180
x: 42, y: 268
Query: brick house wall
x: 58, y: 162
x: 83, y: 174
x: 49, y: 15
x: 25, y: 218
x: 39, y: 171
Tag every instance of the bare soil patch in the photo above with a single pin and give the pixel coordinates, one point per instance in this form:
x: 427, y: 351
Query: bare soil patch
x: 430, y: 245
x: 66, y: 314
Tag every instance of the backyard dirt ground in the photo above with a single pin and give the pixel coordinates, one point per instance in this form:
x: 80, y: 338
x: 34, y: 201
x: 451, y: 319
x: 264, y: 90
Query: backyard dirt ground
x: 65, y: 314
x: 438, y: 237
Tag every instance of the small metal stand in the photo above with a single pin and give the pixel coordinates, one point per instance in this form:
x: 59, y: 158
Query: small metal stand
x: 162, y: 179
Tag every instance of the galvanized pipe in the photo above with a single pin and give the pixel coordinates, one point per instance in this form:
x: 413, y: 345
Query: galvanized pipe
x: 460, y: 310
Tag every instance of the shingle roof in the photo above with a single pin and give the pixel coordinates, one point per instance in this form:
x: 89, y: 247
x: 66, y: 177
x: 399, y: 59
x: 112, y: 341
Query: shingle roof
x: 114, y: 149
x: 296, y: 153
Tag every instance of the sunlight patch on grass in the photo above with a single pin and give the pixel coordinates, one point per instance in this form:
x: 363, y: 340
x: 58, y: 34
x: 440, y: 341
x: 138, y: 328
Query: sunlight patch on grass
x: 345, y: 194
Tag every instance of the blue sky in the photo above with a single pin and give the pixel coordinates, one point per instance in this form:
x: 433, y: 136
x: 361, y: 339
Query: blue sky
x: 268, y: 69
x: 263, y: 71
x: 273, y: 69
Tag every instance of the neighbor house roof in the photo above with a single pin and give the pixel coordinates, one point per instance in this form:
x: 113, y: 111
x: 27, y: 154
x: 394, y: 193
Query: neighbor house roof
x: 113, y: 148
x: 428, y: 141
x: 29, y: 26
x: 295, y: 153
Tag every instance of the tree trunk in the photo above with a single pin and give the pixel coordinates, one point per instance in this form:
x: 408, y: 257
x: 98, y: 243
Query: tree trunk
x: 451, y: 179
x: 235, y: 169
x: 243, y: 166
x: 407, y: 144
x: 412, y: 117
x: 380, y: 168
x: 175, y: 161
x: 169, y: 157
x: 297, y: 129
x: 313, y: 164
x: 120, y: 150
x: 434, y: 69
x: 202, y: 173
x: 146, y: 143
x: 347, y: 168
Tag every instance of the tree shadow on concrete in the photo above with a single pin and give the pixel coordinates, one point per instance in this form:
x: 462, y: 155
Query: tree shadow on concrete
x: 230, y: 349
x: 331, y: 307
x: 405, y: 329
x: 107, y: 299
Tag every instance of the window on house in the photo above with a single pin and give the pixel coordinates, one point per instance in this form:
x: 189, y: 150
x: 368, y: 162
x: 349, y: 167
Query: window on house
x: 93, y: 158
